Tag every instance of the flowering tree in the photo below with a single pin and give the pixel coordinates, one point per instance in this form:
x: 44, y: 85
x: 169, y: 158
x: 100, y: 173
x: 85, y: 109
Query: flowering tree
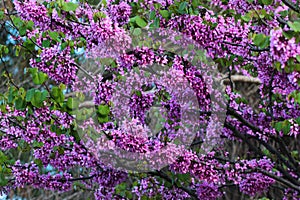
x: 48, y: 136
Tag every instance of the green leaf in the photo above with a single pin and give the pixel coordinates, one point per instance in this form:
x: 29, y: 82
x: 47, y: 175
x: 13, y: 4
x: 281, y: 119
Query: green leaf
x: 3, y: 157
x: 278, y: 126
x: 138, y: 93
x: 1, y: 15
x: 267, y: 2
x: 55, y: 91
x: 261, y: 40
x: 54, y: 36
x: 61, y: 150
x: 17, y: 21
x: 64, y: 45
x: 295, y: 153
x: 30, y: 94
x: 57, y: 94
x: 37, y: 99
x: 103, y: 110
x: 37, y: 144
x: 284, y: 13
x: 30, y: 25
x: 157, y: 6
x: 98, y: 15
x: 121, y: 189
x: 44, y: 95
x: 264, y: 198
x: 20, y: 104
x: 33, y: 70
x: 297, y: 120
x: 152, y: 15
x: 137, y: 31
x: 295, y: 26
x: 6, y: 50
x: 288, y: 34
x: 22, y: 92
x: 103, y: 119
x: 75, y: 134
x: 62, y: 86
x: 258, y: 39
x: 3, y: 49
x: 46, y: 43
x: 195, y: 3
x: 164, y: 13
x: 296, y: 96
x: 39, y: 78
x: 246, y: 17
x: 22, y: 30
x: 69, y: 6
x: 266, y: 152
x: 72, y: 103
x: 38, y: 162
x: 3, y: 180
x: 156, y: 22
x: 140, y: 22
x: 283, y: 126
x: 298, y: 58
x: 182, y: 6
x: 183, y: 177
x: 132, y: 19
x: 286, y: 127
x: 263, y: 13
x: 11, y: 95
x: 266, y: 43
x: 28, y: 44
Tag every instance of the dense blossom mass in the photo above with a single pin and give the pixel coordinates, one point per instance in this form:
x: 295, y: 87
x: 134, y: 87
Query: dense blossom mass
x: 60, y: 133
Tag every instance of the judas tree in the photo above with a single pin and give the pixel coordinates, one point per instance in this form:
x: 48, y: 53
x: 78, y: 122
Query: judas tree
x: 139, y: 99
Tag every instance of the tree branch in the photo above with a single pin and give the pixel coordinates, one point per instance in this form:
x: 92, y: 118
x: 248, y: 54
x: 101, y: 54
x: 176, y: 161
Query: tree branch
x: 291, y: 5
x: 279, y: 179
x: 167, y: 178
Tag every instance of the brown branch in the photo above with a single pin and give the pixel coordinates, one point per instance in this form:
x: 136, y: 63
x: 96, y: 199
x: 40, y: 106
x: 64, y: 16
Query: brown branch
x: 246, y: 137
x: 167, y: 178
x: 279, y: 179
x: 291, y: 5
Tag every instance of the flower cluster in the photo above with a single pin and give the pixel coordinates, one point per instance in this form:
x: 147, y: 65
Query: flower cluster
x: 242, y: 7
x: 120, y: 13
x: 207, y: 191
x: 151, y: 188
x: 28, y: 174
x: 30, y: 10
x: 281, y: 48
x: 204, y: 168
x: 57, y: 64
x: 255, y: 183
x: 140, y: 104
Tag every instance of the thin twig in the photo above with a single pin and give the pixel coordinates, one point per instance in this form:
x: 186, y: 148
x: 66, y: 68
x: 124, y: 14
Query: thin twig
x: 8, y: 75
